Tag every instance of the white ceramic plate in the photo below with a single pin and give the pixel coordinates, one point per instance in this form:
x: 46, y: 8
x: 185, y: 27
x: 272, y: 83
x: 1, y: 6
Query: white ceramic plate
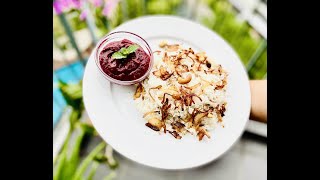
x: 113, y: 113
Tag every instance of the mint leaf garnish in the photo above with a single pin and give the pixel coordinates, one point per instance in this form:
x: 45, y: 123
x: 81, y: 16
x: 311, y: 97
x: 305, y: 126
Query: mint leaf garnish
x: 118, y: 55
x: 124, y: 52
x: 132, y: 48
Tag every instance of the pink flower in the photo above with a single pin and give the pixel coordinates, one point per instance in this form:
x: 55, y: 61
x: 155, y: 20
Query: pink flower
x: 76, y: 4
x: 109, y: 7
x: 83, y: 15
x: 57, y: 7
x: 97, y: 3
x: 65, y: 5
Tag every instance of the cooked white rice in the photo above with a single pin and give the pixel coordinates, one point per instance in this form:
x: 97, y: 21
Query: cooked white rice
x: 211, y: 90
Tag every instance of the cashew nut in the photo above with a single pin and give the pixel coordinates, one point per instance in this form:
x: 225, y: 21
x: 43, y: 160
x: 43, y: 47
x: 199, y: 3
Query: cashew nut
x: 210, y: 115
x: 155, y: 122
x: 163, y: 44
x: 184, y: 80
x: 176, y: 96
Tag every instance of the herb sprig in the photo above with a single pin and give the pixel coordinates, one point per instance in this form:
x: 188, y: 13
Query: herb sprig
x: 124, y: 52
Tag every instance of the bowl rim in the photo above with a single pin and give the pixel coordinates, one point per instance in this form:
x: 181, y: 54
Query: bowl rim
x: 111, y: 79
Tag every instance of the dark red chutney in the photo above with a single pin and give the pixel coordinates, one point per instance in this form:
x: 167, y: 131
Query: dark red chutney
x: 134, y: 66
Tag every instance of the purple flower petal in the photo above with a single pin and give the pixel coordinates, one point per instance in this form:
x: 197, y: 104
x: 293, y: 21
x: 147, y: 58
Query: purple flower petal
x: 57, y: 7
x: 64, y: 5
x: 109, y: 6
x: 83, y: 15
x: 75, y: 4
x: 97, y: 3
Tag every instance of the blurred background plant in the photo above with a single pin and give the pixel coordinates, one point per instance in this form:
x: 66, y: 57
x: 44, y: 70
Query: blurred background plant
x: 67, y: 163
x: 79, y: 24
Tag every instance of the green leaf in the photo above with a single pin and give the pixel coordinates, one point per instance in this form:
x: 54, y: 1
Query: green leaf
x: 132, y: 48
x: 93, y: 170
x: 100, y: 158
x: 85, y: 163
x: 72, y: 93
x: 59, y: 169
x: 118, y: 55
x: 110, y: 176
x: 74, y: 157
x: 87, y: 128
x: 123, y: 51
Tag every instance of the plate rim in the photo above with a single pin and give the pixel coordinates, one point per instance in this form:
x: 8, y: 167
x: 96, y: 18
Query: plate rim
x: 246, y: 79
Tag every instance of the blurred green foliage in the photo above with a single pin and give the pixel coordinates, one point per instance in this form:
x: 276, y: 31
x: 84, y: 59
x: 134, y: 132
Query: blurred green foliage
x: 101, y: 21
x: 58, y: 30
x: 134, y: 8
x: 162, y: 6
x: 68, y: 166
x: 117, y: 17
x: 225, y: 21
x: 238, y: 33
x: 75, y: 22
x: 259, y: 69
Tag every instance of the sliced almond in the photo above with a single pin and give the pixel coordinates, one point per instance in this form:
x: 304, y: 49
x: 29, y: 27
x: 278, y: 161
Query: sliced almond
x: 138, y: 92
x: 163, y: 70
x: 201, y: 56
x: 156, y: 73
x: 149, y: 113
x: 158, y: 52
x: 162, y: 73
x: 171, y: 48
